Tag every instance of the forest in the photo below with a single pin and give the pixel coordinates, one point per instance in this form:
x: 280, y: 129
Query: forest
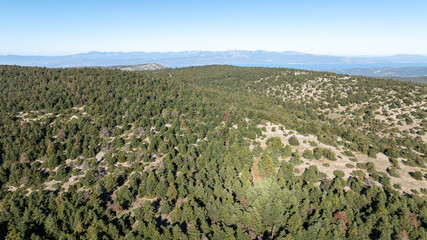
x: 210, y: 152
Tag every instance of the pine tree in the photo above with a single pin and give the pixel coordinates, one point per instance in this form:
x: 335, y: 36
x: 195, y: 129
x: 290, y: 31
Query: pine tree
x: 193, y: 232
x: 172, y: 193
x: 266, y: 165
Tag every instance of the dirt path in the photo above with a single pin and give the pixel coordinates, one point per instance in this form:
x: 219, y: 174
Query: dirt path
x: 256, y: 178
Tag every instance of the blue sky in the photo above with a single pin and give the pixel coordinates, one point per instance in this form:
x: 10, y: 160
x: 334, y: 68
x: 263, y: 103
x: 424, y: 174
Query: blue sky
x: 358, y: 27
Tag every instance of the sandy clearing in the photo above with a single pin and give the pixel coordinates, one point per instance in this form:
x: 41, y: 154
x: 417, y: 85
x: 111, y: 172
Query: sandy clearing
x: 381, y: 161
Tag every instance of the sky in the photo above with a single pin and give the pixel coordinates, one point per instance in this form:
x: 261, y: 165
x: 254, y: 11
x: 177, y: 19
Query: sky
x: 346, y: 28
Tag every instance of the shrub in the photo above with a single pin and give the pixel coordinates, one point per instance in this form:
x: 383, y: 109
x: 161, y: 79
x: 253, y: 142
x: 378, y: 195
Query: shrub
x: 370, y: 166
x: 358, y: 173
x: 417, y: 175
x: 308, y: 154
x: 385, y: 180
x: 251, y: 134
x: 372, y: 153
x: 121, y: 157
x: 393, y: 172
x: 317, y: 153
x: 348, y: 165
x: 324, y: 152
x: 348, y: 153
x: 361, y: 165
x: 339, y: 173
x: 118, y: 142
x: 287, y: 151
x: 394, y: 162
x: 62, y: 172
x: 275, y: 145
x: 329, y: 154
x: 296, y: 159
x: 293, y: 141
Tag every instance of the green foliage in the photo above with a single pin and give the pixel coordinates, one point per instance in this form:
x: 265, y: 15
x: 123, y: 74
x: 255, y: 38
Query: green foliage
x: 266, y: 165
x: 62, y: 172
x: 293, y: 140
x: 348, y: 165
x: 324, y: 152
x: 417, y: 175
x: 308, y: 154
x: 339, y: 173
x: 348, y: 153
x: 296, y: 159
x: 358, y: 173
x: 169, y: 154
x: 287, y: 151
x: 275, y: 145
x: 393, y: 172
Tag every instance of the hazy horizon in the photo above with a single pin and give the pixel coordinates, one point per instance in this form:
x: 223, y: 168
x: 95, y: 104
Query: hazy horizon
x: 229, y: 50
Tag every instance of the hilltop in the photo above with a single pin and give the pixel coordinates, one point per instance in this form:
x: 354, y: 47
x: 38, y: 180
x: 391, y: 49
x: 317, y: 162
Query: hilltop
x: 138, y: 67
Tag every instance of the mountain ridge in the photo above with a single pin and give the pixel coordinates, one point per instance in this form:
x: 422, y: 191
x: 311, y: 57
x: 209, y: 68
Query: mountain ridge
x: 233, y: 57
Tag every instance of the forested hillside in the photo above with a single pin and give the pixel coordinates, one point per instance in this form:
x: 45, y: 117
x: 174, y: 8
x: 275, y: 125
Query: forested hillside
x: 213, y: 152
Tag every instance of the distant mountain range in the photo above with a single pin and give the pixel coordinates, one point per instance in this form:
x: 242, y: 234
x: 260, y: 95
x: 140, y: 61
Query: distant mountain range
x: 235, y: 57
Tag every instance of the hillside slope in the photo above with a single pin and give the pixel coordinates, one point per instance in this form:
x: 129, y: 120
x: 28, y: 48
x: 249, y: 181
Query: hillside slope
x: 386, y: 72
x: 216, y: 152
